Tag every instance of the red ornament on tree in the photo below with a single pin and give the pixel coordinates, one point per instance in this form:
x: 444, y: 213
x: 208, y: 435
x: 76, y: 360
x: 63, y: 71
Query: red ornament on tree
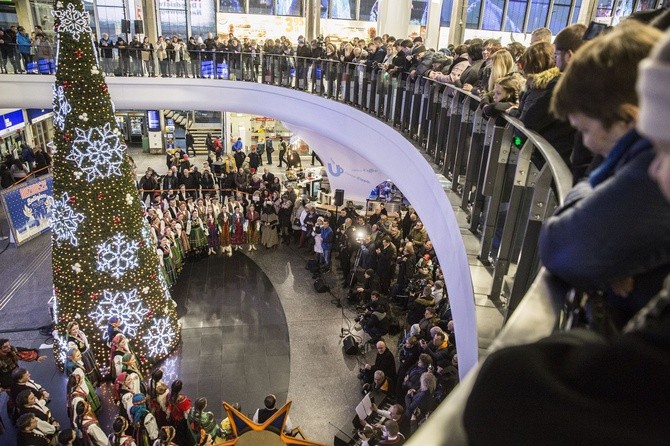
x: 100, y: 196
x: 104, y: 88
x: 95, y: 296
x: 72, y: 200
x: 66, y: 84
x: 117, y: 219
x: 78, y: 53
x: 152, y: 276
x: 150, y: 313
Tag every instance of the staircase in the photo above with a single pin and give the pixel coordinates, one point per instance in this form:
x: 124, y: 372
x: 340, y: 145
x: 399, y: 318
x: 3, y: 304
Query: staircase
x: 199, y: 132
x: 179, y: 117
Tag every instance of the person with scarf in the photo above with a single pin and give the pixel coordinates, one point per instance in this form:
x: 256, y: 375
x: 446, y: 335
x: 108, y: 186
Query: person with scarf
x: 124, y: 388
x: 77, y: 338
x: 146, y: 428
x: 119, y: 348
x: 201, y: 424
x: 75, y: 367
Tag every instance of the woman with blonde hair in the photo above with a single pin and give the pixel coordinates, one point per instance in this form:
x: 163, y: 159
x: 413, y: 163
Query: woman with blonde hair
x: 502, y: 64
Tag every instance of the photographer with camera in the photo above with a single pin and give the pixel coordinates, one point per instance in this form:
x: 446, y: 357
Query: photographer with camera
x: 363, y: 292
x: 375, y: 320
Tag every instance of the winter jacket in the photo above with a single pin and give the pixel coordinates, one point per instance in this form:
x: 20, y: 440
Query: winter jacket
x: 613, y: 226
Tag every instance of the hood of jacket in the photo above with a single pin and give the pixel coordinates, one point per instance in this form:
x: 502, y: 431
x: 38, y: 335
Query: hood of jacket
x: 541, y: 80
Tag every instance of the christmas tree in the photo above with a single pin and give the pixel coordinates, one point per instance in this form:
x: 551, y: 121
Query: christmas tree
x: 104, y: 262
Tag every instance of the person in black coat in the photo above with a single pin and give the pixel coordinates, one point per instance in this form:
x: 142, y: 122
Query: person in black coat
x: 384, y: 361
x: 190, y: 142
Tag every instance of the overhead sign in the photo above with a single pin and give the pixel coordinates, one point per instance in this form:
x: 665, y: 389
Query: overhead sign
x: 11, y: 121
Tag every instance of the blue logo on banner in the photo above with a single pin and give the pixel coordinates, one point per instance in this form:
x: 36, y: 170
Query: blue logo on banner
x: 336, y: 173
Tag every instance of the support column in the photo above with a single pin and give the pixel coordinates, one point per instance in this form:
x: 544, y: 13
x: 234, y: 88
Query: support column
x: 433, y: 25
x: 587, y: 12
x: 459, y: 15
x: 24, y: 15
x: 150, y: 20
x: 312, y: 19
x: 393, y: 18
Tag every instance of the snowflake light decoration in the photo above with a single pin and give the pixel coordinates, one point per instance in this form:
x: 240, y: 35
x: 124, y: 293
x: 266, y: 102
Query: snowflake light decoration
x: 65, y: 221
x: 159, y: 336
x: 117, y: 255
x: 124, y: 304
x: 72, y: 21
x: 98, y: 152
x: 61, y: 107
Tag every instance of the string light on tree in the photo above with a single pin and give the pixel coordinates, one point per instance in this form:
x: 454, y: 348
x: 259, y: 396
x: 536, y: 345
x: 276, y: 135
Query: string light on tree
x: 65, y: 221
x: 72, y: 21
x: 117, y: 255
x: 61, y: 107
x: 124, y: 304
x: 98, y: 152
x: 103, y: 263
x: 159, y: 337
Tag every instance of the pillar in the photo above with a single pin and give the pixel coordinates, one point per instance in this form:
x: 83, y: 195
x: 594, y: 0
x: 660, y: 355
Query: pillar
x: 24, y: 15
x: 459, y: 15
x: 393, y: 18
x: 312, y: 19
x: 150, y: 20
x: 587, y: 12
x: 433, y: 25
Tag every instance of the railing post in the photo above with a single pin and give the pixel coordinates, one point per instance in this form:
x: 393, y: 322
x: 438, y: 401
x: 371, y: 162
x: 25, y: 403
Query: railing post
x: 396, y: 106
x: 493, y: 187
x: 493, y: 133
x: 542, y: 206
x: 372, y: 92
x: 424, y: 116
x: 407, y: 104
x: 475, y: 156
x: 464, y: 131
x: 442, y: 127
x: 452, y: 134
x: 365, y: 86
x: 434, y: 115
x: 346, y: 80
x: 524, y: 177
x: 417, y: 94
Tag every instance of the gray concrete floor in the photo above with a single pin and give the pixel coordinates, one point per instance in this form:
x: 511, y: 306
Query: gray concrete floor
x: 322, y: 381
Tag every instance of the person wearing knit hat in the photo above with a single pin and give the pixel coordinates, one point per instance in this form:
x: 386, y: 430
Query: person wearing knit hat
x: 607, y: 389
x: 654, y: 90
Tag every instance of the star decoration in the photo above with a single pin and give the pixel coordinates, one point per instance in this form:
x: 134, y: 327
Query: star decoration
x: 98, y: 152
x: 244, y: 427
x: 72, y: 21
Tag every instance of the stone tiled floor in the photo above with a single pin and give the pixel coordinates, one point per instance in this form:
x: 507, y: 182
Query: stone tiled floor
x: 252, y: 325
